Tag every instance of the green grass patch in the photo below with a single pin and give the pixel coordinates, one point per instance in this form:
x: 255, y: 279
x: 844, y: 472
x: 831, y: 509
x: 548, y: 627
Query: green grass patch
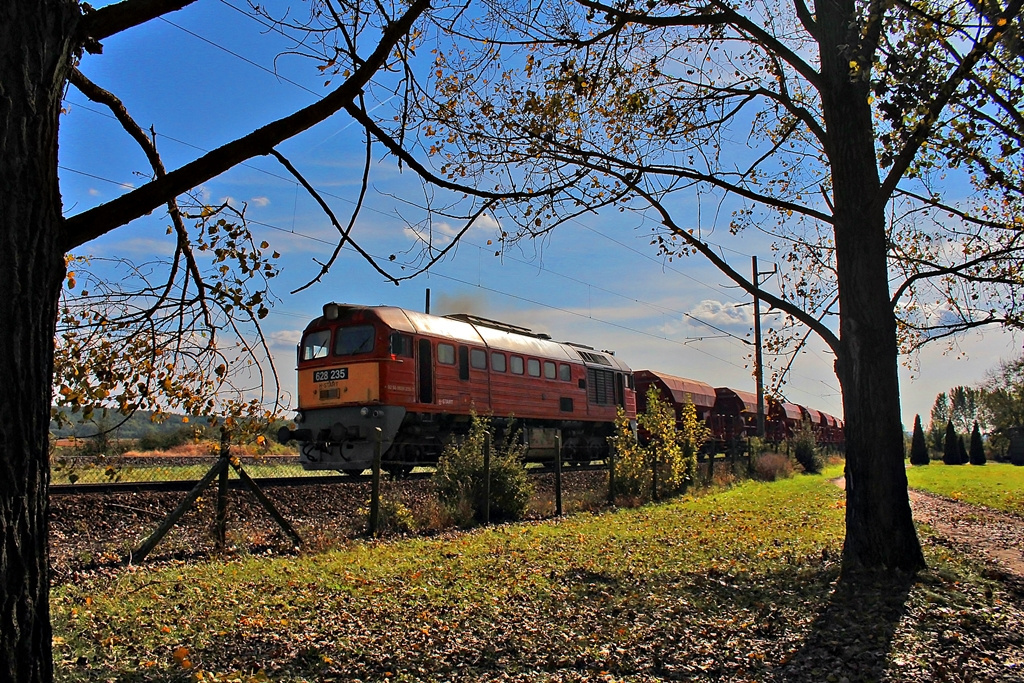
x: 995, y: 485
x: 738, y: 585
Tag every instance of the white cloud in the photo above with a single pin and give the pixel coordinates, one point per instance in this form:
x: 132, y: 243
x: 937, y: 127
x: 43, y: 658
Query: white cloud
x: 723, y: 314
x: 260, y: 201
x: 285, y: 338
x: 93, y: 192
x: 441, y: 233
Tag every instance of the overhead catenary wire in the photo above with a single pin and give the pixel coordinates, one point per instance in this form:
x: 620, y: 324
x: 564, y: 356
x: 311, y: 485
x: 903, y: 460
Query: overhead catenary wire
x: 662, y: 309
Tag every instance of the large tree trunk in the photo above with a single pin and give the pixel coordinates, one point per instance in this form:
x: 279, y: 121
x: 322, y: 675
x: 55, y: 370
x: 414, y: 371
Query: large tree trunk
x: 35, y: 39
x: 880, y: 531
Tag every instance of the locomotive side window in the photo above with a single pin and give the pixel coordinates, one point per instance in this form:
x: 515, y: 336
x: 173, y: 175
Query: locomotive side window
x: 350, y: 341
x: 446, y: 354
x: 316, y: 345
x: 564, y: 372
x: 533, y: 367
x: 401, y: 345
x: 498, y: 362
x: 478, y: 359
x: 549, y: 370
x: 516, y: 364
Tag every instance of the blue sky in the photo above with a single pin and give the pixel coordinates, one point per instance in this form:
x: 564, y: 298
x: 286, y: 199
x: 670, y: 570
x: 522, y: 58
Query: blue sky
x: 595, y: 281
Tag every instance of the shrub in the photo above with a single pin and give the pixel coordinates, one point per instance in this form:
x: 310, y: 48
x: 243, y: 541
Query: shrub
x: 918, y: 448
x: 631, y: 467
x: 772, y: 466
x: 805, y: 448
x: 157, y: 440
x: 950, y: 448
x: 460, y: 482
x: 394, y: 516
x: 977, y: 453
x: 672, y: 447
x: 676, y: 461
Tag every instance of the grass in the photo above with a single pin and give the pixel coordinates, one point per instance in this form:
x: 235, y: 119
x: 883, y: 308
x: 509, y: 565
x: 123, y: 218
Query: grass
x: 996, y: 485
x: 733, y: 585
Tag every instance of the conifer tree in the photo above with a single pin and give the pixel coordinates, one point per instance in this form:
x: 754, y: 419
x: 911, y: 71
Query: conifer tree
x: 977, y: 453
x: 918, y: 448
x: 950, y: 451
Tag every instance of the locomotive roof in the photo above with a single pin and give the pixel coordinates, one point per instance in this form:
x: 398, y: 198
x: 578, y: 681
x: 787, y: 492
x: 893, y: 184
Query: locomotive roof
x: 702, y: 395
x: 494, y: 335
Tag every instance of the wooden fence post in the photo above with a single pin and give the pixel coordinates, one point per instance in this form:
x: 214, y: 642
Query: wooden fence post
x: 611, y: 475
x: 558, y: 474
x: 487, y: 478
x: 222, y: 489
x: 375, y: 486
x: 654, y: 477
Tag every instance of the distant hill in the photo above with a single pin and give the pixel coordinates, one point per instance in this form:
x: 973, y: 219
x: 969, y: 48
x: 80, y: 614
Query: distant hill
x: 138, y: 426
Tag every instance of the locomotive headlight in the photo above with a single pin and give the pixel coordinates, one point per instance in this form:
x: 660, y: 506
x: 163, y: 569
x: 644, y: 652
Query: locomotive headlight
x: 364, y: 411
x: 299, y: 418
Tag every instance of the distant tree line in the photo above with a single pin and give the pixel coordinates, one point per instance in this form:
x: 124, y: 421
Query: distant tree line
x: 971, y: 424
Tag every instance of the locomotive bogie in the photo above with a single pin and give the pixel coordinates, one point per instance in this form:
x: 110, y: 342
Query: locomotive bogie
x: 345, y: 438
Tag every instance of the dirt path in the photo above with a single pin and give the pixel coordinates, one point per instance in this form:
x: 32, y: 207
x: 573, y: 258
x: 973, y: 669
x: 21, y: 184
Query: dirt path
x: 996, y: 536
x: 993, y: 536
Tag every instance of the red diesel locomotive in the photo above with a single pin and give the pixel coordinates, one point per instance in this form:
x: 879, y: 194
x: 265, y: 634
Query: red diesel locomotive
x: 418, y: 377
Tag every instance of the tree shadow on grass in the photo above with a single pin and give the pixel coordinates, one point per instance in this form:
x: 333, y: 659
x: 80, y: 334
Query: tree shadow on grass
x: 852, y: 637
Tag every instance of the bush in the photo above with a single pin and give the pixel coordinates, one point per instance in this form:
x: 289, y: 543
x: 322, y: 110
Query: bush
x: 165, y: 440
x: 460, y: 483
x: 671, y: 446
x: 631, y: 474
x: 950, y: 447
x: 918, y: 448
x: 394, y: 516
x: 772, y: 466
x: 977, y: 454
x: 805, y: 448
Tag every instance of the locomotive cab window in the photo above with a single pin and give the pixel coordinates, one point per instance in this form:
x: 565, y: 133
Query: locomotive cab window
x: 516, y: 364
x: 446, y: 354
x: 401, y: 345
x: 565, y: 372
x: 316, y: 345
x: 549, y: 370
x: 478, y: 359
x: 533, y: 367
x: 350, y: 341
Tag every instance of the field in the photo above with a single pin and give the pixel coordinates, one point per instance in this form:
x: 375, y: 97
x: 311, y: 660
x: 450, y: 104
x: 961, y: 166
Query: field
x: 736, y: 585
x: 996, y: 485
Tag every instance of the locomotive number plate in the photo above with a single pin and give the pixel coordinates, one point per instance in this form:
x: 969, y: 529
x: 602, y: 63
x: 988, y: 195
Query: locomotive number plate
x: 330, y: 375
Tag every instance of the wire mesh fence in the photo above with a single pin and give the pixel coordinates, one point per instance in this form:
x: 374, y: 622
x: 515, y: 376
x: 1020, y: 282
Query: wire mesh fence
x: 77, y: 462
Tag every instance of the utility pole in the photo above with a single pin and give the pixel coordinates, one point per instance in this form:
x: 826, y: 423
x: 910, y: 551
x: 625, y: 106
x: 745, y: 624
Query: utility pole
x: 758, y: 359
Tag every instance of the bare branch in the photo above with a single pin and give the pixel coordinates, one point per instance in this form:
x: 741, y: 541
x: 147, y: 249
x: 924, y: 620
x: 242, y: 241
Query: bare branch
x: 100, y: 220
x: 107, y: 21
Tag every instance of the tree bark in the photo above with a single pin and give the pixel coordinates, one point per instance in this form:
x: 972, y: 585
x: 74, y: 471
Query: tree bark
x: 880, y: 531
x: 35, y: 56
